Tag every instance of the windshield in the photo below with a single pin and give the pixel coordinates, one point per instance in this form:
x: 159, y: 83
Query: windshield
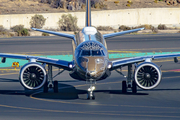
x: 85, y: 53
x: 92, y: 53
x: 96, y: 53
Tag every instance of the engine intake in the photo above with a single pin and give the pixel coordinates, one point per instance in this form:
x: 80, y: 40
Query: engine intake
x: 32, y: 76
x: 147, y: 75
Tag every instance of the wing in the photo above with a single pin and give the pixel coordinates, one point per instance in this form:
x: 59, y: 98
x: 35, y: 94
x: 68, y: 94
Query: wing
x: 123, y: 62
x: 55, y: 62
x: 55, y: 33
x: 121, y: 33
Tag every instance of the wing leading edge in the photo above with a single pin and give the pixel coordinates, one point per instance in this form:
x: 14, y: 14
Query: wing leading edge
x: 55, y: 62
x: 123, y: 62
x: 121, y: 33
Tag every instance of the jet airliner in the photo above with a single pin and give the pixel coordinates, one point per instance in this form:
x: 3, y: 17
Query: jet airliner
x: 90, y: 62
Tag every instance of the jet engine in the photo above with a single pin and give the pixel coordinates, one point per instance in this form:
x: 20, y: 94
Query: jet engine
x: 147, y: 75
x: 32, y: 75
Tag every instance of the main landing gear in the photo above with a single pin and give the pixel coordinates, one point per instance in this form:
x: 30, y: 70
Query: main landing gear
x: 129, y: 83
x: 133, y: 87
x: 90, y: 94
x: 50, y: 83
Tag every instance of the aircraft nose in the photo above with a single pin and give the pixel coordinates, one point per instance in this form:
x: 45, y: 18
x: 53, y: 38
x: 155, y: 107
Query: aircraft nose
x: 96, y: 67
x: 91, y: 73
x: 93, y: 67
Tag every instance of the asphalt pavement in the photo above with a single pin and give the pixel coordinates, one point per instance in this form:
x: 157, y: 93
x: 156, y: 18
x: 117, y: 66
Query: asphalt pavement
x: 163, y: 102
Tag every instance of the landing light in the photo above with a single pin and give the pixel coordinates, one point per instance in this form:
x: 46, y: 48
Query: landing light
x: 70, y: 66
x: 93, y: 88
x: 109, y: 66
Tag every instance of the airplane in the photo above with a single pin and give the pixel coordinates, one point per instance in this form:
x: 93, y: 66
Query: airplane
x: 90, y: 63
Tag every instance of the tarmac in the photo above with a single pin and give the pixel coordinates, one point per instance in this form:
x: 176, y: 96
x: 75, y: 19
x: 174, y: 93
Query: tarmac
x: 70, y: 102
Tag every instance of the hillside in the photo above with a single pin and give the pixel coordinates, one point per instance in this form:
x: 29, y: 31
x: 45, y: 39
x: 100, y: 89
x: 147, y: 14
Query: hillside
x: 49, y: 6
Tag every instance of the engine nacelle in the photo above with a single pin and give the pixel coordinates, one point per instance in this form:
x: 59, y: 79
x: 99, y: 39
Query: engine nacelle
x: 147, y: 75
x: 32, y: 75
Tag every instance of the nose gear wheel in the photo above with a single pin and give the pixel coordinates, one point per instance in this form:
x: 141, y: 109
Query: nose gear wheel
x: 90, y: 93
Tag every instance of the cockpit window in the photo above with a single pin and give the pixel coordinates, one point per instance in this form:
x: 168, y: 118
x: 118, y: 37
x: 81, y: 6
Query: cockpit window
x: 96, y: 53
x: 102, y: 52
x: 85, y: 53
x: 92, y: 53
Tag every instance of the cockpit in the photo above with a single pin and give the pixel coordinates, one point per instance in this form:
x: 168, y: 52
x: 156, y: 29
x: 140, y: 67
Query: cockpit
x: 92, y: 53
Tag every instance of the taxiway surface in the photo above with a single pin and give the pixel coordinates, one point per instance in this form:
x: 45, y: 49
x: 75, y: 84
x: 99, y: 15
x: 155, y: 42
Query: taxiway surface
x: 163, y: 102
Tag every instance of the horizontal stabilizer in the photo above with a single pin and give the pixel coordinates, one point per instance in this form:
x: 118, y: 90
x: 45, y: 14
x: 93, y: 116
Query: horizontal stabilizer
x: 55, y: 33
x: 121, y: 33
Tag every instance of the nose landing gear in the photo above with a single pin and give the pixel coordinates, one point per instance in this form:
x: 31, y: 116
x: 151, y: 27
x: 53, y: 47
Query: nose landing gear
x: 90, y: 94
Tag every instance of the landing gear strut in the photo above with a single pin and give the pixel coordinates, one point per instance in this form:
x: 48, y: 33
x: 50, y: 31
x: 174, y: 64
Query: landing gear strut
x: 130, y: 80
x: 50, y: 83
x: 129, y: 83
x: 90, y: 94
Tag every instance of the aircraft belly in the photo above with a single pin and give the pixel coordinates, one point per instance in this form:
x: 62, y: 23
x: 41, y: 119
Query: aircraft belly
x: 81, y: 76
x: 75, y: 75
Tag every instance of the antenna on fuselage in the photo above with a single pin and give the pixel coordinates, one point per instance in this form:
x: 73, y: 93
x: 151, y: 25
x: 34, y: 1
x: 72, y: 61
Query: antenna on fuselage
x: 88, y: 13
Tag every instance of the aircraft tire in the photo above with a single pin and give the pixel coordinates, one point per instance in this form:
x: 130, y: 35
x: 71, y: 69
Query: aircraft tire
x: 45, y: 89
x: 124, y: 87
x: 55, y: 87
x: 93, y: 97
x: 134, y: 87
x: 88, y: 95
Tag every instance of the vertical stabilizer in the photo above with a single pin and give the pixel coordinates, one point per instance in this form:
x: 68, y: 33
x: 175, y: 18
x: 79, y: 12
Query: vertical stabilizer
x: 88, y: 13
